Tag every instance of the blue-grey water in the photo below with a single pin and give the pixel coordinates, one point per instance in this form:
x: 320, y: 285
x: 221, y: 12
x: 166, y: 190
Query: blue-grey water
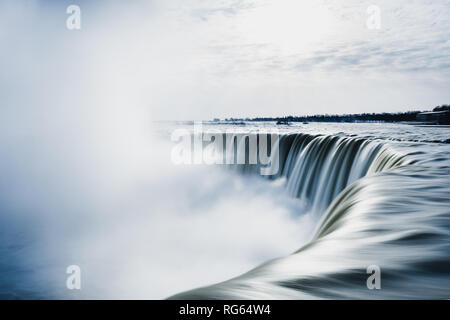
x: 346, y: 197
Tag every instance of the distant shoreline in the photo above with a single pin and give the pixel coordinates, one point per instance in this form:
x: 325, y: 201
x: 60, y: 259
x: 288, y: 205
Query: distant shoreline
x: 438, y: 116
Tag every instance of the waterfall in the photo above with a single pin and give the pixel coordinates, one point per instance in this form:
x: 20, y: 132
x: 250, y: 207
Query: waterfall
x: 373, y: 206
x: 318, y: 167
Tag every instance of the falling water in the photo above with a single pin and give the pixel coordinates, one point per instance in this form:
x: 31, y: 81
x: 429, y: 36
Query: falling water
x: 374, y: 206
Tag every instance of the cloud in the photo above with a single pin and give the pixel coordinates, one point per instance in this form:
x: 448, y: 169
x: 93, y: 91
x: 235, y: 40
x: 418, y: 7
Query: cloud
x: 201, y: 59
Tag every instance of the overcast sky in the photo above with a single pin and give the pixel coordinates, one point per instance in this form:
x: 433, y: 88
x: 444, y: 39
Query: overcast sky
x: 199, y: 59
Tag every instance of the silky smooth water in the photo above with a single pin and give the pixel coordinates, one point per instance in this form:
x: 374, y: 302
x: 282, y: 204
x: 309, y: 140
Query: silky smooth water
x: 381, y: 195
x: 347, y: 196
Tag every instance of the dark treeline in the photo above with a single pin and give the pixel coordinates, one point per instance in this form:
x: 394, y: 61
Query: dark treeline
x: 363, y: 117
x: 445, y: 107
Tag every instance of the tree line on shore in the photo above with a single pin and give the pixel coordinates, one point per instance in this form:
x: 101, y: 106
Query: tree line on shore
x: 359, y: 117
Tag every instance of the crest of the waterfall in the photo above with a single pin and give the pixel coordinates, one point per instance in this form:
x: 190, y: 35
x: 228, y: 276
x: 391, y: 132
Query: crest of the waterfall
x: 319, y: 167
x: 327, y: 165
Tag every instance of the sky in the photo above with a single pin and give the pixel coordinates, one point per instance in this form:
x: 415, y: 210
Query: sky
x: 198, y: 59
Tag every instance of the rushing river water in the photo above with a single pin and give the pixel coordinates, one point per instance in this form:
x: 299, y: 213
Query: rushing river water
x: 381, y: 197
x: 346, y: 197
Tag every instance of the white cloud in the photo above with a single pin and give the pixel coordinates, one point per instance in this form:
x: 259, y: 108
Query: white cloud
x: 199, y: 59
